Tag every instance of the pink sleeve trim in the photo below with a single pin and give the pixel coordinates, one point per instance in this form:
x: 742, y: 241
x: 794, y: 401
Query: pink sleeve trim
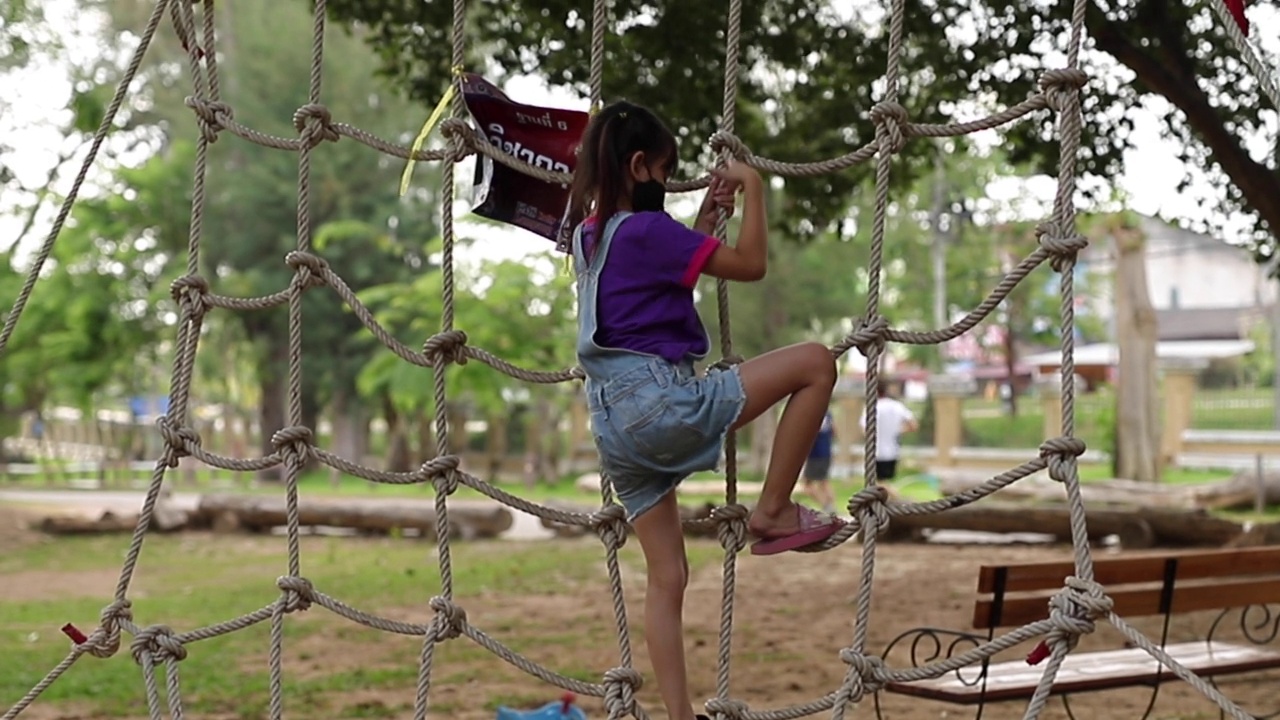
x: 699, y: 261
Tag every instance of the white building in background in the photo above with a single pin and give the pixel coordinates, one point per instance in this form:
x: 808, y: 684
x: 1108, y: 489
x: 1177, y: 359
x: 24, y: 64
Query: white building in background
x: 1207, y: 294
x: 1185, y: 271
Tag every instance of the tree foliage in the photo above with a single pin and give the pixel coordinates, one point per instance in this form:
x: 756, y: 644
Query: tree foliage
x: 129, y: 238
x: 809, y: 76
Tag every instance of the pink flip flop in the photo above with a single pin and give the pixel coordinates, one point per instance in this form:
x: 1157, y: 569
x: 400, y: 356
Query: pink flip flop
x: 814, y: 528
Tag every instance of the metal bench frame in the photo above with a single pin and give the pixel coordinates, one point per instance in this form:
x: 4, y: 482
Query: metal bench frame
x: 1258, y: 620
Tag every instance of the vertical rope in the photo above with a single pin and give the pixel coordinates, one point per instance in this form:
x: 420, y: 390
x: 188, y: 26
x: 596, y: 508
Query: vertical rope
x: 599, y: 21
x: 1064, y: 226
x: 730, y: 541
x: 444, y: 485
x: 728, y: 123
x: 887, y: 137
x: 308, y: 124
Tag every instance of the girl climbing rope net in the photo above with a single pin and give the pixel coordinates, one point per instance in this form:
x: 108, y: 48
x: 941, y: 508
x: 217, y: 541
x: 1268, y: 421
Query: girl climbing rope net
x: 655, y: 419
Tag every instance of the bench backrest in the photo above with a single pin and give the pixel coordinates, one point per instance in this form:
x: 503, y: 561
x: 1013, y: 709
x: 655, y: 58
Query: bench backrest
x: 1014, y: 595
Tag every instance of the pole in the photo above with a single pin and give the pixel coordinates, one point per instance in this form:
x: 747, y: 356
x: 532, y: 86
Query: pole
x: 939, y: 249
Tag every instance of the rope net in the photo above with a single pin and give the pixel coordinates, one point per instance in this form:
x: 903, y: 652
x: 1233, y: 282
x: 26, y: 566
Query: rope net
x: 159, y: 649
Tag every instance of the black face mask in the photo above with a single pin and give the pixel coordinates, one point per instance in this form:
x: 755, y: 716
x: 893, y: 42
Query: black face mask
x: 648, y: 196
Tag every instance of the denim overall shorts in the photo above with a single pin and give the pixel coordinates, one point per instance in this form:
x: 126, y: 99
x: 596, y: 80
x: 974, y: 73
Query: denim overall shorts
x: 654, y: 422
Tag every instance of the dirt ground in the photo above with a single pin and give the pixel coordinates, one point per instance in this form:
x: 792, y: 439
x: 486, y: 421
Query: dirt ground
x: 793, y: 615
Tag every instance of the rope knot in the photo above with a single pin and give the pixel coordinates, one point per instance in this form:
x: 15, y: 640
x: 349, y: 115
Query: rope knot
x: 866, y: 674
x: 315, y: 124
x: 1061, y: 245
x: 1060, y: 84
x: 729, y: 709
x: 107, y: 642
x: 1074, y: 609
x: 890, y: 118
x: 293, y: 443
x: 868, y: 506
x: 868, y: 334
x: 445, y: 482
x: 731, y: 526
x: 213, y: 117
x: 450, y: 619
x: 1061, y: 454
x: 446, y: 347
x: 460, y: 136
x: 620, y: 686
x: 311, y: 268
x: 298, y: 592
x: 182, y: 440
x: 159, y: 642
x: 610, y: 523
x: 439, y: 466
x: 722, y: 141
x: 189, y: 292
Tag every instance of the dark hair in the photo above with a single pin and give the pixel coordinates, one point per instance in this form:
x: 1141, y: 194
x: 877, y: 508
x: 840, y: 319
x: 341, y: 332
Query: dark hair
x: 614, y: 134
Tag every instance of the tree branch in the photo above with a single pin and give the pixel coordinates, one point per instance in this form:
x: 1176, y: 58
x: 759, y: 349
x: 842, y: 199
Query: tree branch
x: 1175, y: 80
x: 29, y: 220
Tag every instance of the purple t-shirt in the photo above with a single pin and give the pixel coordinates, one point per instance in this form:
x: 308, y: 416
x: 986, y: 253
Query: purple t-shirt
x: 645, y: 298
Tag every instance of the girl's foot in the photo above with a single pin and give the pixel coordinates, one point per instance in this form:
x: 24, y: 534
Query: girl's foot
x: 794, y: 528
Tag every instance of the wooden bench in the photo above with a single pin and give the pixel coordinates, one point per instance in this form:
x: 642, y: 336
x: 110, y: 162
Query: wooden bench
x: 1231, y: 581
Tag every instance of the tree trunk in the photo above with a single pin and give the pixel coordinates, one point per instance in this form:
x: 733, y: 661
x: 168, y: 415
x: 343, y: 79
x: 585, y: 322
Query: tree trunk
x: 311, y: 419
x: 556, y: 444
x: 1011, y: 359
x: 273, y: 385
x: 350, y: 429
x: 399, y: 458
x: 426, y: 436
x: 536, y: 435
x: 495, y: 445
x: 1137, y: 395
x: 457, y: 425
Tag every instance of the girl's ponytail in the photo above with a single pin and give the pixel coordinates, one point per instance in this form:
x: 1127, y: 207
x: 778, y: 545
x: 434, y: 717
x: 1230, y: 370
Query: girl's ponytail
x: 600, y: 177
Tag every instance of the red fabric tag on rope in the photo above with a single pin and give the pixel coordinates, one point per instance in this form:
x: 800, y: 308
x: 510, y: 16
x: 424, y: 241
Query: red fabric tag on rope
x: 1038, y: 654
x: 74, y: 633
x: 1237, y: 12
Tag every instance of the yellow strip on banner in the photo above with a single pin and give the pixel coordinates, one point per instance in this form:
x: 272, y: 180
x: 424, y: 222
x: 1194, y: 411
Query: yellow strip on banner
x: 426, y: 131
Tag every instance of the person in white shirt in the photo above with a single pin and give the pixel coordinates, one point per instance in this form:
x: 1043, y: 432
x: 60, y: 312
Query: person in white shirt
x: 892, y: 420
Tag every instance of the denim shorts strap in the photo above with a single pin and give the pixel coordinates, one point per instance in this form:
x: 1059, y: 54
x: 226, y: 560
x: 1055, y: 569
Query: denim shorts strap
x: 603, y: 242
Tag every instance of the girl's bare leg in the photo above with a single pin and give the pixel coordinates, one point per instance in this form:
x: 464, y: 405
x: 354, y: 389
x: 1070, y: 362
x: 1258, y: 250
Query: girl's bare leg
x: 806, y: 374
x: 662, y: 540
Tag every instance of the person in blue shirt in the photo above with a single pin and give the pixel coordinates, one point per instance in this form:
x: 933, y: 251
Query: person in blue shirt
x: 817, y: 467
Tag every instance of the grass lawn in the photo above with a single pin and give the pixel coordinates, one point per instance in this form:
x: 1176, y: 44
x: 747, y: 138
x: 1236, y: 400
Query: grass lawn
x: 196, y: 580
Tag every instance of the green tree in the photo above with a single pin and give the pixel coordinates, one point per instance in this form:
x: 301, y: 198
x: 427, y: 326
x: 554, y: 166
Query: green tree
x: 1142, y: 51
x: 359, y: 224
x: 522, y: 311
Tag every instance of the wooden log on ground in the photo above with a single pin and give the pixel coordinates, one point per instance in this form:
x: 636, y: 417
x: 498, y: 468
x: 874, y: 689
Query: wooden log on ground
x: 108, y: 522
x: 687, y: 512
x: 165, y: 517
x: 1238, y: 492
x: 1146, y: 527
x: 468, y: 520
